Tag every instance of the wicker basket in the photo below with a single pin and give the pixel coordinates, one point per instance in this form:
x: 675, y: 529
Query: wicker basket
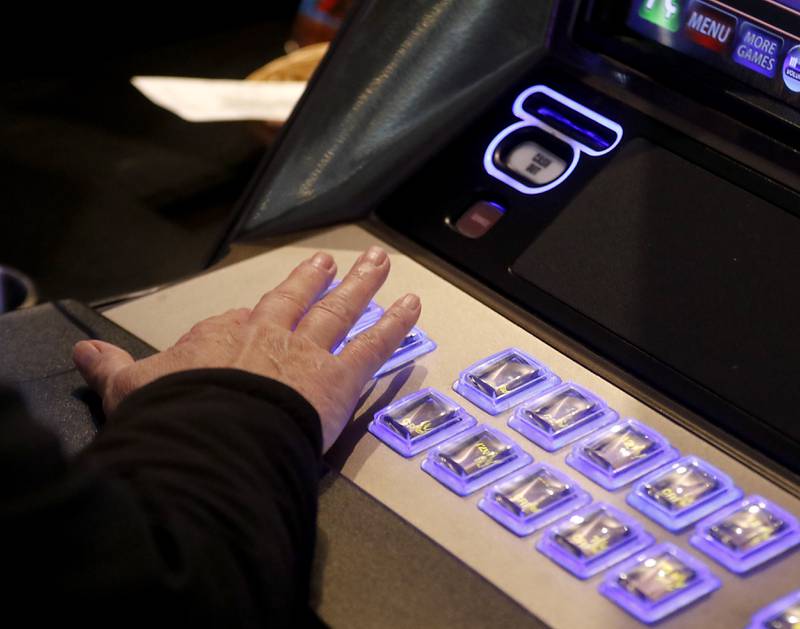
x: 298, y: 65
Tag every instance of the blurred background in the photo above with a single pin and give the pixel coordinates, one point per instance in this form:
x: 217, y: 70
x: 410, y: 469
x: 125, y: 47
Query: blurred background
x: 103, y: 191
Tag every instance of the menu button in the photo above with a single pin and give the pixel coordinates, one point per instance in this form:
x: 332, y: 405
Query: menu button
x: 758, y: 50
x: 711, y: 28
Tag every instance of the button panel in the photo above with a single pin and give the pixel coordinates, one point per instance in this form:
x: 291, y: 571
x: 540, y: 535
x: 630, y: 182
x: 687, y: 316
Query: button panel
x: 648, y: 581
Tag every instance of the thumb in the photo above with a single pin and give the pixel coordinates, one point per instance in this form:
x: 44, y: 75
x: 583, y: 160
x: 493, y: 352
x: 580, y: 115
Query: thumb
x: 98, y: 362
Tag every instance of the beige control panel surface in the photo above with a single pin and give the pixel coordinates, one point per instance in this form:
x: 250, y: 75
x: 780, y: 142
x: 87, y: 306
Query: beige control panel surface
x: 466, y: 331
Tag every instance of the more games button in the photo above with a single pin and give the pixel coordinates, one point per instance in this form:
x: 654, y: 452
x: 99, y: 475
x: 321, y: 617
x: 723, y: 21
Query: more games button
x: 758, y: 50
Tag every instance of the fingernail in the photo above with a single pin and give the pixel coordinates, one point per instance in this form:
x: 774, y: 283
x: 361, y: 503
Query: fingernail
x: 375, y: 256
x: 410, y: 301
x: 322, y: 260
x: 84, y: 354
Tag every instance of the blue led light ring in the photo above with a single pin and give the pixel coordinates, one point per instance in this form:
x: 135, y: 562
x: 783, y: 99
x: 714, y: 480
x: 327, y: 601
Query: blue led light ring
x: 612, y: 479
x: 527, y: 523
x: 602, y: 554
x: 520, y: 112
x: 403, y: 356
x: 702, y: 583
x: 516, y: 458
x: 679, y: 519
x: 542, y: 379
x: 776, y: 609
x: 494, y: 171
x: 600, y: 415
x: 408, y: 447
x: 740, y: 561
x: 530, y: 120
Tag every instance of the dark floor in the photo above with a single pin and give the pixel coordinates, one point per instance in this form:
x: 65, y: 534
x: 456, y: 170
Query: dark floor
x: 106, y: 193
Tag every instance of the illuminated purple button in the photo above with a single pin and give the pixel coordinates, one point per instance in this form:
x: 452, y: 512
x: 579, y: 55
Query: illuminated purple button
x: 415, y: 344
x: 503, y: 380
x: 592, y: 539
x: 621, y: 453
x: 560, y: 416
x: 747, y: 534
x: 782, y: 614
x: 474, y: 459
x: 532, y: 498
x: 419, y: 421
x: 683, y: 493
x: 658, y: 582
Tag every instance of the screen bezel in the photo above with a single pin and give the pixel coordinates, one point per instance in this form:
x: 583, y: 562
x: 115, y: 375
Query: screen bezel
x: 601, y: 27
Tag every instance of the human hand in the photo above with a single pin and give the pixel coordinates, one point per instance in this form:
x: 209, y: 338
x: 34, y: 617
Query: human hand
x: 286, y: 337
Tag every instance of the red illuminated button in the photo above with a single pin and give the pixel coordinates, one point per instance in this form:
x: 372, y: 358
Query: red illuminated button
x: 711, y: 28
x: 479, y: 219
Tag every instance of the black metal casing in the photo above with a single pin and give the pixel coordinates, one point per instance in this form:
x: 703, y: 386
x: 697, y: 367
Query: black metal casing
x: 706, y: 317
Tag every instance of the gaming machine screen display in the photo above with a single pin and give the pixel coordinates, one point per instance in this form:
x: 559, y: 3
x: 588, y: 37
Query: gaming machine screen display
x: 756, y: 41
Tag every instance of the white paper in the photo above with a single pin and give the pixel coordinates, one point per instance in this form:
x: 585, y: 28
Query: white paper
x: 210, y: 100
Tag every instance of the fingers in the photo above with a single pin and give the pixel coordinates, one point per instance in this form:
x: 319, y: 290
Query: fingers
x: 374, y: 346
x: 98, y: 362
x: 329, y: 319
x: 287, y: 303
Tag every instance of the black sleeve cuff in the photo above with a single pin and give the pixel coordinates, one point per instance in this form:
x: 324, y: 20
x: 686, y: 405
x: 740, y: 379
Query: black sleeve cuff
x: 224, y: 465
x: 236, y: 381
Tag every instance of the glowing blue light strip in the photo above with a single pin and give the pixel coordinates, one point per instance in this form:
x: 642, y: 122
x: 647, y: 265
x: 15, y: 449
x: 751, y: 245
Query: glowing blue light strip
x: 496, y: 206
x: 530, y: 120
x: 554, y: 115
x: 520, y: 112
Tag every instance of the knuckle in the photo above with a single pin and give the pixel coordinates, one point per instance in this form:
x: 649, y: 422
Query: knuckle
x: 337, y: 308
x: 397, y: 319
x: 399, y: 315
x: 198, y: 328
x: 240, y: 316
x: 368, y: 346
x: 207, y: 327
x: 289, y: 299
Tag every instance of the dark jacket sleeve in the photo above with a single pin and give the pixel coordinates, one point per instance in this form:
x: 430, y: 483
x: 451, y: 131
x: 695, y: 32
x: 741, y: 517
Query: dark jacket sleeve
x: 194, y: 507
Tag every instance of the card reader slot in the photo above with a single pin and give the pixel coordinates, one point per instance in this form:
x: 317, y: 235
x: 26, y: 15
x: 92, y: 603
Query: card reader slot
x: 569, y: 122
